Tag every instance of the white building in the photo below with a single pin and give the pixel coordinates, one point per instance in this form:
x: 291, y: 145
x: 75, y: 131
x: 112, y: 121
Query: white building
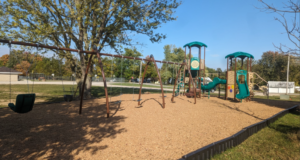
x: 280, y: 87
x: 7, y: 74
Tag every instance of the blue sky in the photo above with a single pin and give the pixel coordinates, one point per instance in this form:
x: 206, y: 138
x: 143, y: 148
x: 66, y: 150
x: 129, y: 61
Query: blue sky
x: 225, y: 26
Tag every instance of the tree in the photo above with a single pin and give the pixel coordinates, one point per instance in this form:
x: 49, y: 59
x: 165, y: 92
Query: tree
x: 23, y: 67
x: 151, y: 71
x: 172, y: 54
x: 219, y: 70
x: 273, y: 67
x: 292, y: 7
x: 4, y: 59
x: 86, y: 24
x: 130, y: 67
x: 106, y: 67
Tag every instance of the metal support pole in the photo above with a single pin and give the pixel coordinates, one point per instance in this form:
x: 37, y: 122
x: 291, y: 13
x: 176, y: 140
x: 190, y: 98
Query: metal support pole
x: 141, y: 66
x: 248, y: 79
x: 161, y: 86
x: 105, y: 85
x: 204, y: 68
x: 199, y: 72
x: 219, y: 87
x: 184, y: 71
x: 189, y: 66
x: 226, y: 87
x: 287, y: 73
x: 235, y: 80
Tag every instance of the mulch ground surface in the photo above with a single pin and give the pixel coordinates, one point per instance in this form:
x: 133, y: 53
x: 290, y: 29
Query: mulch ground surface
x: 57, y: 131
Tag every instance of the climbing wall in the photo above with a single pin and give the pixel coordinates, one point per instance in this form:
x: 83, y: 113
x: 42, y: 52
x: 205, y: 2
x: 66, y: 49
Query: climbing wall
x: 202, y: 64
x: 230, y: 84
x: 251, y: 81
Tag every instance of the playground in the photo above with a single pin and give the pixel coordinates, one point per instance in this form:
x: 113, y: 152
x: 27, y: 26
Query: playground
x: 56, y: 131
x: 140, y: 125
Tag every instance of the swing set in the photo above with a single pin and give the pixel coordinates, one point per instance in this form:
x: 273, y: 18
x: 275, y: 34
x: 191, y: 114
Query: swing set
x: 24, y: 103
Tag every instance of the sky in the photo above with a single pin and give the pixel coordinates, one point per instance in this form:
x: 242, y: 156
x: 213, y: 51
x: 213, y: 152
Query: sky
x: 224, y: 26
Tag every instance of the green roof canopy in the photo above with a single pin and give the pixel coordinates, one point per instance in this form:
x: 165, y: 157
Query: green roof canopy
x: 240, y: 55
x: 195, y: 44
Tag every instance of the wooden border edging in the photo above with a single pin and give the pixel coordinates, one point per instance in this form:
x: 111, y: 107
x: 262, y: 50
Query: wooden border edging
x: 207, y: 152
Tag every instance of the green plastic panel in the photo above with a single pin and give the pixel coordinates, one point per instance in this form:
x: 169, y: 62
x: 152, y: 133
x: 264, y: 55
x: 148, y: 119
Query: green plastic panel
x: 213, y: 84
x: 239, y: 55
x: 194, y: 63
x: 195, y: 44
x: 243, y: 87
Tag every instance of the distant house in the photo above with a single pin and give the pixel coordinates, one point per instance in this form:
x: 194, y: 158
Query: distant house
x: 7, y: 74
x: 280, y: 87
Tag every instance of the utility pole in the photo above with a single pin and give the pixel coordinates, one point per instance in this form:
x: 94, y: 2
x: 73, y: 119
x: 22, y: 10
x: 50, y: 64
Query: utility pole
x: 287, y: 73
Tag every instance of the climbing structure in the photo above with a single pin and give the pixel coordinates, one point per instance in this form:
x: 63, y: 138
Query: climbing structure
x: 237, y: 80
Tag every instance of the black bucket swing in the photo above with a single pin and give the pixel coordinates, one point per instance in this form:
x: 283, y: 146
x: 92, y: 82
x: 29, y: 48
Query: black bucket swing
x: 24, y: 102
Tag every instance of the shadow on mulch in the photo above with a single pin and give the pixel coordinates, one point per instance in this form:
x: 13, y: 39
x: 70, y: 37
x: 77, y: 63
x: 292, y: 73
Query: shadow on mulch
x: 141, y: 105
x: 57, y: 131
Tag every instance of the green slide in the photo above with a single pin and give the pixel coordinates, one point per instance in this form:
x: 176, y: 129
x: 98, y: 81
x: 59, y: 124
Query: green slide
x: 213, y: 84
x: 243, y: 87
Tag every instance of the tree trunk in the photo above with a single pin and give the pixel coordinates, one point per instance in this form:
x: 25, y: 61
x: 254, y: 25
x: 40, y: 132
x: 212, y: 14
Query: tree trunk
x: 88, y: 90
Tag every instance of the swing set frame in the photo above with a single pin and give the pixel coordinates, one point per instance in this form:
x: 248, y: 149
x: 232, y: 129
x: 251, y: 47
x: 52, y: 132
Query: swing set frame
x: 98, y: 54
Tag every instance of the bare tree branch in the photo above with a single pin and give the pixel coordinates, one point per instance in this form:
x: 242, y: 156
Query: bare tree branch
x: 292, y: 28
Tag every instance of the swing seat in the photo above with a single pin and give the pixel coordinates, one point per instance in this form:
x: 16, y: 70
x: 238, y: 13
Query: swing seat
x: 24, y: 103
x: 138, y: 100
x: 68, y: 98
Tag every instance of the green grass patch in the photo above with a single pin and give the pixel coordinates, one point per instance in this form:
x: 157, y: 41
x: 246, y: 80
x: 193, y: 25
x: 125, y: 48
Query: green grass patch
x: 54, y: 93
x: 144, y: 85
x: 281, y: 140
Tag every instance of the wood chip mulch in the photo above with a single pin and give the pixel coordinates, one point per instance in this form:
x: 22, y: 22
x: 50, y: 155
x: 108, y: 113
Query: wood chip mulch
x: 57, y: 131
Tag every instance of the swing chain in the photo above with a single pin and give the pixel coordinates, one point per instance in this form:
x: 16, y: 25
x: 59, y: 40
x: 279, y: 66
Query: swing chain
x: 121, y: 78
x: 10, y: 69
x: 133, y: 81
x: 111, y: 75
x: 37, y: 49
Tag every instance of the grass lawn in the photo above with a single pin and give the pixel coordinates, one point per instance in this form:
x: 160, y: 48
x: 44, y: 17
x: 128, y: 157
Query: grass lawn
x: 144, y: 85
x: 278, y: 141
x: 293, y: 97
x: 54, y: 93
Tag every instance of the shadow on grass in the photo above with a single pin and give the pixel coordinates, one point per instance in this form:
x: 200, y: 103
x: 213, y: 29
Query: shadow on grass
x: 283, y: 128
x: 57, y: 131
